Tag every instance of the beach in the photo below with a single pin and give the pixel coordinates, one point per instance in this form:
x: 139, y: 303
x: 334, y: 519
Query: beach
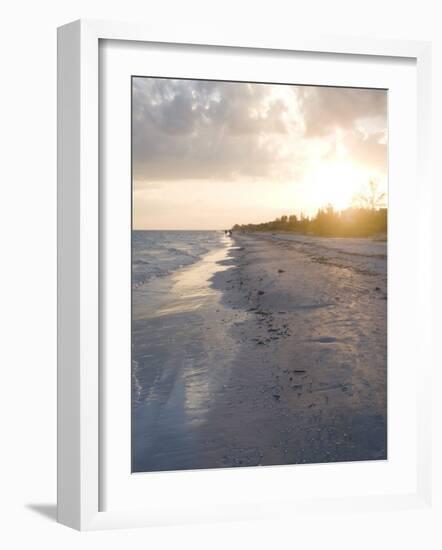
x: 267, y: 349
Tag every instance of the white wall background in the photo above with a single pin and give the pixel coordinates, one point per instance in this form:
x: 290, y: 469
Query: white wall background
x: 28, y: 253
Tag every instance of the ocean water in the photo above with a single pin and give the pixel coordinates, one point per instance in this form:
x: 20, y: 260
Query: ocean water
x: 160, y: 253
x: 181, y: 344
x: 155, y: 256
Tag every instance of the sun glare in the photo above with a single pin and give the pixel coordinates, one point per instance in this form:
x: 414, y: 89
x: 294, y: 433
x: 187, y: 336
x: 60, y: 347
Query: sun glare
x: 335, y: 183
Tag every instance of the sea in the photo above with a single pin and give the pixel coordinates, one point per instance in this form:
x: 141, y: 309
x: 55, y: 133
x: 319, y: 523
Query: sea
x: 159, y: 253
x: 181, y: 349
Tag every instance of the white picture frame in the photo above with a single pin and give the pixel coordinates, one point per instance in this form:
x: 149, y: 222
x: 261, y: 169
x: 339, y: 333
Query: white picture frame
x: 79, y: 265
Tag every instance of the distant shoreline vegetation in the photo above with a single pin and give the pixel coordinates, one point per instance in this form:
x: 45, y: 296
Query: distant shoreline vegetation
x: 352, y: 222
x: 367, y: 218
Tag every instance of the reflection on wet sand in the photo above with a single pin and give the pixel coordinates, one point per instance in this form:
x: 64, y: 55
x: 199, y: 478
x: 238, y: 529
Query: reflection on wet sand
x: 184, y: 355
x: 191, y: 287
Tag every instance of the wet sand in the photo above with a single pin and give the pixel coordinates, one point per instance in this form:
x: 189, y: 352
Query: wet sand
x: 270, y: 351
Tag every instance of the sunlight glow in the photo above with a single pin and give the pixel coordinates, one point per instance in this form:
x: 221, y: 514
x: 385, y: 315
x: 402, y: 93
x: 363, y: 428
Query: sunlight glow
x: 335, y: 183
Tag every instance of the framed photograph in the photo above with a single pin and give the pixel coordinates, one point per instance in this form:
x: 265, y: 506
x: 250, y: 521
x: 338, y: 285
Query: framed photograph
x: 243, y: 276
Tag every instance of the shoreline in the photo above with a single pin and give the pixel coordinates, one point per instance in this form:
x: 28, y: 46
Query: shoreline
x: 294, y: 345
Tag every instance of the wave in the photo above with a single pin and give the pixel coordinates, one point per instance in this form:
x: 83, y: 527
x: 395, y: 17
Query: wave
x: 160, y: 253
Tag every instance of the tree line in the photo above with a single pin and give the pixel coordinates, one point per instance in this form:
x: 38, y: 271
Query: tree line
x: 365, y: 218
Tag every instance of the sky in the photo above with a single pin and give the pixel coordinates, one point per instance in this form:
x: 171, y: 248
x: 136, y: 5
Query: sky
x: 210, y: 154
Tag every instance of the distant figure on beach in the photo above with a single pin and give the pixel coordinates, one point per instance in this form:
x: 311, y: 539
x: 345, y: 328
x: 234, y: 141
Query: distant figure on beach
x: 228, y: 232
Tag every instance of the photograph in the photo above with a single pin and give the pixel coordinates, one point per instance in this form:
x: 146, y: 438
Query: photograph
x: 259, y: 274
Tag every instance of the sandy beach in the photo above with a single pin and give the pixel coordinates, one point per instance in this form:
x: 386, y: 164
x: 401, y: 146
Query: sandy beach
x: 270, y: 350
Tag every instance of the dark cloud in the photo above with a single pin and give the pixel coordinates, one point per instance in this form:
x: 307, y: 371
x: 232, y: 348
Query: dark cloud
x: 199, y: 129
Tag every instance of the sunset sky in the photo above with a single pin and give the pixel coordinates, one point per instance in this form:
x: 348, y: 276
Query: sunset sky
x: 208, y: 154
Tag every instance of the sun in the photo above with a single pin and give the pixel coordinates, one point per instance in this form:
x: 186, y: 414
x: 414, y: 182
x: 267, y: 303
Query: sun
x: 335, y: 183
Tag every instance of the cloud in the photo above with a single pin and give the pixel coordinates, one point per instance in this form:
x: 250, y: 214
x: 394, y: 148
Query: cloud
x: 184, y: 129
x: 209, y: 130
x: 325, y: 109
x: 370, y: 150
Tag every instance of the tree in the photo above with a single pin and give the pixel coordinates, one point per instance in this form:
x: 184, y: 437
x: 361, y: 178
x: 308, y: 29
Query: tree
x: 372, y: 199
x: 293, y: 220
